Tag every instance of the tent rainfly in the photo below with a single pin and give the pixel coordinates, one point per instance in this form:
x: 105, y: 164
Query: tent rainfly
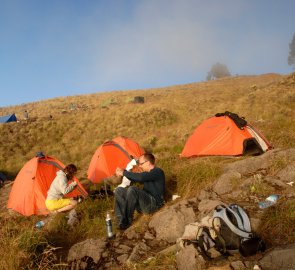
x: 225, y: 134
x: 110, y: 155
x: 29, y: 190
x: 8, y: 118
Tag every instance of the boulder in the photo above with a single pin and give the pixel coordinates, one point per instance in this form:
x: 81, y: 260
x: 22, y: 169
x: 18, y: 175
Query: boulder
x: 188, y: 259
x: 227, y: 181
x: 169, y: 223
x: 279, y: 258
x: 287, y: 174
x: 89, y: 248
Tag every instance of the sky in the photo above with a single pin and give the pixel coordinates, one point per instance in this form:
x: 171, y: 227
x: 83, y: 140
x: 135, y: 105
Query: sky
x: 61, y: 48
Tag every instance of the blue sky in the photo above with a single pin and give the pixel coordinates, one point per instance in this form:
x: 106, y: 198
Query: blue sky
x: 60, y: 48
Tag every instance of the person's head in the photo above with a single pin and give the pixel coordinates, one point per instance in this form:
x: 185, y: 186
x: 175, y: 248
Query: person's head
x: 70, y: 170
x: 147, y: 162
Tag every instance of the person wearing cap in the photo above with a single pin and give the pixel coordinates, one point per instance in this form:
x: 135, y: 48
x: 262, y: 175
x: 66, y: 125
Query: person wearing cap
x: 145, y: 200
x: 55, y: 201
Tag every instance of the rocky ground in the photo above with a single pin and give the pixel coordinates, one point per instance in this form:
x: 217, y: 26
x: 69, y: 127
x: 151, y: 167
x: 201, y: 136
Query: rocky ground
x: 158, y: 235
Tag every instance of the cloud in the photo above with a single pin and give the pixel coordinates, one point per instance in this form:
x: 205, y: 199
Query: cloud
x: 67, y: 48
x: 163, y: 39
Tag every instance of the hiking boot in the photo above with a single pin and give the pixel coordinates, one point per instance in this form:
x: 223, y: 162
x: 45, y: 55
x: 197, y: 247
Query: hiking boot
x: 123, y: 227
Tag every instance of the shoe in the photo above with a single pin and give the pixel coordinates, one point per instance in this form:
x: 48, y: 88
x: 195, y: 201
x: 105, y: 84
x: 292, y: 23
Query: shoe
x: 123, y: 227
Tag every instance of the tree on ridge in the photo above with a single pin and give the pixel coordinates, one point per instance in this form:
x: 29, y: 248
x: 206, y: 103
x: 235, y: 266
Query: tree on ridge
x: 217, y: 71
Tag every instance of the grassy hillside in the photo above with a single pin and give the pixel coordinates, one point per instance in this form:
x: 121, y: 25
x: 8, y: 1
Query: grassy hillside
x: 161, y: 124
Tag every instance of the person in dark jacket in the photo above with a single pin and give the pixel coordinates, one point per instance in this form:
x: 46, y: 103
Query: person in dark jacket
x: 146, y: 200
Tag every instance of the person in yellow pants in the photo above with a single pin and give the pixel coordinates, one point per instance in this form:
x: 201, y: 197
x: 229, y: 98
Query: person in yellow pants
x: 55, y: 201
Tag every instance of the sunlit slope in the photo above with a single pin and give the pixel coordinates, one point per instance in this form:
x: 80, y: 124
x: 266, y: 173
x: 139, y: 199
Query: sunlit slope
x: 71, y: 128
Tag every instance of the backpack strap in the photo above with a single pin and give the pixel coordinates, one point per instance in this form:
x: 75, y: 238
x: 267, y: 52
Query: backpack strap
x: 220, y: 212
x: 243, y: 215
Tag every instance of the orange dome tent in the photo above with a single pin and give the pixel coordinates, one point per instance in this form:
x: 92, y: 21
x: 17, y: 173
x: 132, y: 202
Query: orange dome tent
x: 29, y: 190
x: 225, y: 134
x: 110, y: 155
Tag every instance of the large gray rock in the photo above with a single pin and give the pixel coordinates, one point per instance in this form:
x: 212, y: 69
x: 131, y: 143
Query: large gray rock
x: 272, y: 181
x: 91, y: 248
x: 169, y: 223
x: 138, y: 252
x: 189, y: 259
x: 238, y: 265
x: 252, y: 164
x: 287, y: 174
x: 288, y: 154
x: 279, y: 258
x: 206, y: 206
x: 226, y: 182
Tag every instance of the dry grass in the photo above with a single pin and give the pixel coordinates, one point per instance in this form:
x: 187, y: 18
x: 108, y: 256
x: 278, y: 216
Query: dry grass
x: 278, y: 223
x: 162, y: 124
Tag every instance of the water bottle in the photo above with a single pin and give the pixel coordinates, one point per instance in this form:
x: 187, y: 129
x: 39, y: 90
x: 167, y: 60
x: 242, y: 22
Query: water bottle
x: 269, y: 201
x: 109, y: 226
x: 40, y: 224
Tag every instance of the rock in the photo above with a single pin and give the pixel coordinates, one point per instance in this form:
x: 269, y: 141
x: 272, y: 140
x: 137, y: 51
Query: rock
x: 169, y: 249
x: 72, y: 218
x: 186, y: 258
x: 122, y: 258
x: 125, y: 248
x: 226, y: 182
x: 238, y: 265
x: 275, y: 182
x: 92, y: 248
x: 252, y: 164
x: 279, y: 258
x: 288, y: 154
x: 130, y: 233
x: 287, y: 174
x: 170, y: 222
x: 148, y: 236
x: 204, y: 195
x: 223, y: 267
x: 206, y: 206
x: 137, y: 253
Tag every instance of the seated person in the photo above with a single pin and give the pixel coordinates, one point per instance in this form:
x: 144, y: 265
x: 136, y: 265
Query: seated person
x: 146, y: 200
x: 55, y: 200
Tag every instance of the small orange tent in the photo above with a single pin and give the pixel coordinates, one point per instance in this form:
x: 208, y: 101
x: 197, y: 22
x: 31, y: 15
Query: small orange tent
x: 29, y: 190
x: 110, y: 155
x: 223, y: 135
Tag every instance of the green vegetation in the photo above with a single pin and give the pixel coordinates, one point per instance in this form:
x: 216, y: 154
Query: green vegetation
x: 162, y: 124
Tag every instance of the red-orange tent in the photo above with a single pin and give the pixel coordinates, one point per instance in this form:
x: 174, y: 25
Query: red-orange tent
x: 222, y: 136
x: 110, y: 155
x: 29, y: 190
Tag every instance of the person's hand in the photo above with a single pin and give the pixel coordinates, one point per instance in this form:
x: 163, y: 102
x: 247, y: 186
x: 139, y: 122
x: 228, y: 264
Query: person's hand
x: 119, y: 172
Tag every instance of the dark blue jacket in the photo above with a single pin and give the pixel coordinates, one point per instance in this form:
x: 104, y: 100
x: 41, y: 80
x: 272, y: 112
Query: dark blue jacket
x: 153, y: 182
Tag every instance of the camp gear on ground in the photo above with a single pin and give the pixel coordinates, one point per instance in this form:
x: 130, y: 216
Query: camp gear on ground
x: 235, y: 232
x: 109, y: 226
x: 269, y: 201
x: 224, y: 232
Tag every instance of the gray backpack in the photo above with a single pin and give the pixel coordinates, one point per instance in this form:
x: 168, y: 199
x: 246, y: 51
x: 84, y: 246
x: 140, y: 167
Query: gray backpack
x: 234, y: 232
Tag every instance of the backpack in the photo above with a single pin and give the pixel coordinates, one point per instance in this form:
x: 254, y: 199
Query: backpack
x: 239, y: 121
x: 234, y: 232
x: 208, y: 244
